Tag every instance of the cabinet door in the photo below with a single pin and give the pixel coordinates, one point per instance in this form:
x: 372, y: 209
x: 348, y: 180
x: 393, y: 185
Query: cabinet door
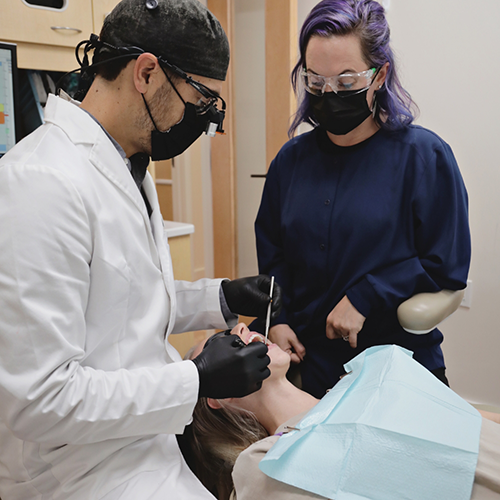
x: 101, y: 9
x: 66, y: 27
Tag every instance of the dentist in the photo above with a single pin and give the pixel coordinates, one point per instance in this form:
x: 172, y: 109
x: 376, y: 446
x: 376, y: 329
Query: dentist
x: 91, y: 391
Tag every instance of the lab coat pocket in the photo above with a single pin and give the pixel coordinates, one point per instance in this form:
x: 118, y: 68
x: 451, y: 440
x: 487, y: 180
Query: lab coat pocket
x: 107, y: 312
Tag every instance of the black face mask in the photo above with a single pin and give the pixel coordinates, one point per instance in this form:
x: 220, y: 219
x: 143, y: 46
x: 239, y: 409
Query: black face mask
x: 173, y: 142
x: 341, y: 112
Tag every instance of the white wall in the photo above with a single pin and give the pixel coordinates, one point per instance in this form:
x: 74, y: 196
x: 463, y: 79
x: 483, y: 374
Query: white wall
x: 447, y: 53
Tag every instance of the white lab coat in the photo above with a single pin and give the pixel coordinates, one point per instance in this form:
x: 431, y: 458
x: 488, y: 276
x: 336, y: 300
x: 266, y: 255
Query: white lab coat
x: 91, y: 391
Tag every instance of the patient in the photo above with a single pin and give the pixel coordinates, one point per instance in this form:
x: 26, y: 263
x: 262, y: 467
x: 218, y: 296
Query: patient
x: 229, y: 437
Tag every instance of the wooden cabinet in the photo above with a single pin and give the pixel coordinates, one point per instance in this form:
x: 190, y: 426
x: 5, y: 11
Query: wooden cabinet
x: 62, y: 27
x: 46, y: 37
x: 101, y: 9
x: 164, y: 188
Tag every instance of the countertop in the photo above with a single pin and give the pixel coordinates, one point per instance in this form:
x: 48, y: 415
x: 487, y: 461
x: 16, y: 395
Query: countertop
x: 173, y: 229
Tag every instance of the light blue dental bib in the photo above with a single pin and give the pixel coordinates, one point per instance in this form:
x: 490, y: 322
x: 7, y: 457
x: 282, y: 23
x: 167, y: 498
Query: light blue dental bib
x: 390, y: 430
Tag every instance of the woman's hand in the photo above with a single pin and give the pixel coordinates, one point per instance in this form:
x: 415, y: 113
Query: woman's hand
x: 344, y: 322
x: 284, y: 337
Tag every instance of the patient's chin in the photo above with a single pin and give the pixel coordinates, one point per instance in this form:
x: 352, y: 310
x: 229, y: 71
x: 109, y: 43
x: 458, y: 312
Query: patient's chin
x: 280, y: 361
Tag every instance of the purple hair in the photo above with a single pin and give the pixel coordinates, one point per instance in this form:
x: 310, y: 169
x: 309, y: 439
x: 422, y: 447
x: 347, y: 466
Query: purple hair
x: 365, y: 19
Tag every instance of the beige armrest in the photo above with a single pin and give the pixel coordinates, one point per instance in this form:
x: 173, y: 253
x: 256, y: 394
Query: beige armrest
x: 423, y: 312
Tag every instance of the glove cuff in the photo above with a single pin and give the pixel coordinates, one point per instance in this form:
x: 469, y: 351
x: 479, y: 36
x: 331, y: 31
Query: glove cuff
x: 200, y: 366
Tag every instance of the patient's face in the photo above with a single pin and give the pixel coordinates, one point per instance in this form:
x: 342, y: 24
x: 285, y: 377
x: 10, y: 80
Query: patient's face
x: 280, y: 360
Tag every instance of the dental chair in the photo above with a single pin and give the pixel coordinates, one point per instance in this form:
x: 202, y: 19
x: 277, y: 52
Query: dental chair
x: 423, y: 312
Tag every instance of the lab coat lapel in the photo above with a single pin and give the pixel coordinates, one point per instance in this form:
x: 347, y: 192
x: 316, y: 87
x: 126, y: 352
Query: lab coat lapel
x: 162, y: 246
x: 105, y: 157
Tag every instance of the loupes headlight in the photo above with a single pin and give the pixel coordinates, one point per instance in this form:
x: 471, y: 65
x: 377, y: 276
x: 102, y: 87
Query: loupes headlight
x: 208, y: 107
x: 215, y: 118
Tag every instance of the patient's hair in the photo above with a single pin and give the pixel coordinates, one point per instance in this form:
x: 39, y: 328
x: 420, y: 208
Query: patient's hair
x: 216, y: 438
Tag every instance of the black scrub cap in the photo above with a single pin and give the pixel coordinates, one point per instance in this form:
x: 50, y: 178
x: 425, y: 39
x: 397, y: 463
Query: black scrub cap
x: 183, y: 32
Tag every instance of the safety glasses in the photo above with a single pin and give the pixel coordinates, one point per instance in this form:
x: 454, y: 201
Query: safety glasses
x: 317, y: 84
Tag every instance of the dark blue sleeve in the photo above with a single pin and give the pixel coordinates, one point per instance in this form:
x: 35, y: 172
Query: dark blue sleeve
x: 268, y: 238
x: 441, y: 241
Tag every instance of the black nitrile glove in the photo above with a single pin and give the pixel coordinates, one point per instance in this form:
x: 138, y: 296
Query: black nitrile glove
x: 250, y: 296
x: 230, y: 369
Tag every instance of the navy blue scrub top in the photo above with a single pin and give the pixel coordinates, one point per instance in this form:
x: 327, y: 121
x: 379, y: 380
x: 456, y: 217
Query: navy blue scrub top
x: 379, y: 222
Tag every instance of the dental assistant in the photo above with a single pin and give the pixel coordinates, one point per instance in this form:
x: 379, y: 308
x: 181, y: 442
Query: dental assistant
x: 362, y: 212
x: 91, y: 390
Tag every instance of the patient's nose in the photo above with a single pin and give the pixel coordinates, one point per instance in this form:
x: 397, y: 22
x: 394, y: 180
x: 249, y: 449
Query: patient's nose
x: 241, y: 330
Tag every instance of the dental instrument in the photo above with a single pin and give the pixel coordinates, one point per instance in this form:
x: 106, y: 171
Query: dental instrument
x: 268, y: 318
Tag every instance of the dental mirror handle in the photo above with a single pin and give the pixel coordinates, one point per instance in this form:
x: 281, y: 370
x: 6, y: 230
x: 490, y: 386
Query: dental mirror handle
x: 268, y: 318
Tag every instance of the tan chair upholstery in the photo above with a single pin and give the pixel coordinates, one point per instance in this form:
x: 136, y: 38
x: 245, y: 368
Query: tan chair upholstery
x: 421, y: 313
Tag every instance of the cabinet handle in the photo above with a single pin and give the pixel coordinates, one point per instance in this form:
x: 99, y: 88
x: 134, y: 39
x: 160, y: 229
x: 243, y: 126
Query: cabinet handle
x: 65, y: 28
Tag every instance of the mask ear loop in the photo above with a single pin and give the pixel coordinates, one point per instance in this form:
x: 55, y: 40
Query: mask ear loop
x: 149, y: 112
x: 172, y: 84
x: 176, y: 91
x: 375, y: 102
x: 374, y: 107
